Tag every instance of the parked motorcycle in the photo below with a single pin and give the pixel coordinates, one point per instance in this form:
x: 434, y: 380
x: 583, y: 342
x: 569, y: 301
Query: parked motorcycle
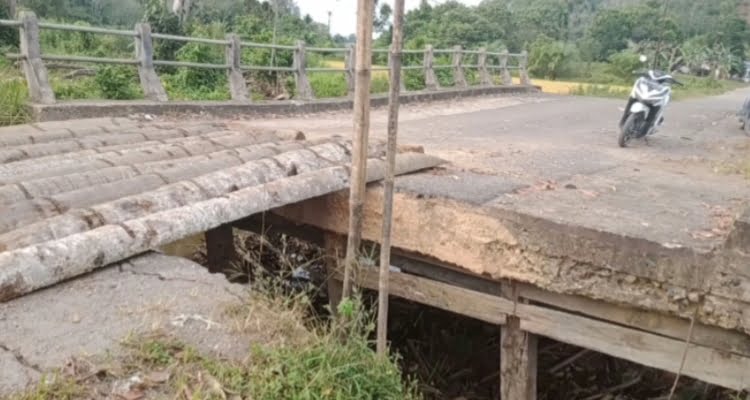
x: 644, y: 112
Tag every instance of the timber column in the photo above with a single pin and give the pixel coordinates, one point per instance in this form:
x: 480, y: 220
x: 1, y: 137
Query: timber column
x: 518, y: 355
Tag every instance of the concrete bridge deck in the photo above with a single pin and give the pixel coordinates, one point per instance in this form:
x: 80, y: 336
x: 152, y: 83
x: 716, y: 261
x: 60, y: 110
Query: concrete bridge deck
x: 538, y: 193
x: 573, y: 234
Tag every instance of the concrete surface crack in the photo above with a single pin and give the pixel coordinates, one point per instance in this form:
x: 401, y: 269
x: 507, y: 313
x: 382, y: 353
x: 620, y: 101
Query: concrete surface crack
x: 164, y: 278
x: 20, y: 358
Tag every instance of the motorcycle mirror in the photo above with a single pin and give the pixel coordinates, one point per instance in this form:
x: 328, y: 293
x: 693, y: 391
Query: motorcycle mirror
x: 643, y: 58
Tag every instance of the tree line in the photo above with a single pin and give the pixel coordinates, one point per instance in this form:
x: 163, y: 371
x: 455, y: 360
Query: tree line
x: 592, y: 40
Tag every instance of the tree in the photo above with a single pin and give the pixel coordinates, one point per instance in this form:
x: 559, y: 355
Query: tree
x: 610, y: 33
x: 548, y: 58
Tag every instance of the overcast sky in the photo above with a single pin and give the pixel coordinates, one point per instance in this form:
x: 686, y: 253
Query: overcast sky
x: 343, y: 19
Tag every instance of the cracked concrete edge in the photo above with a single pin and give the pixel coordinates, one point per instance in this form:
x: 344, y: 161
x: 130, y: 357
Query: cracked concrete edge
x: 91, y: 315
x: 75, y: 110
x: 16, y: 374
x: 504, y: 244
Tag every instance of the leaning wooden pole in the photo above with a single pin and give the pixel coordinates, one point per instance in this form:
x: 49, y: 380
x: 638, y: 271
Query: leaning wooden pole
x: 391, y: 148
x: 365, y: 11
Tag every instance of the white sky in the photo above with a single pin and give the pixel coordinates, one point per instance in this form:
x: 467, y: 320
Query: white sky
x: 343, y: 19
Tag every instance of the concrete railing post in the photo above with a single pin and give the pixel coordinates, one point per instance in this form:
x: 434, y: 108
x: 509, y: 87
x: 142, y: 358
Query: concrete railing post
x: 40, y: 90
x: 233, y: 53
x: 402, y: 81
x: 523, y: 64
x: 349, y: 66
x: 506, y: 78
x: 304, y: 90
x: 485, y: 79
x: 430, y: 79
x: 459, y: 78
x: 144, y: 53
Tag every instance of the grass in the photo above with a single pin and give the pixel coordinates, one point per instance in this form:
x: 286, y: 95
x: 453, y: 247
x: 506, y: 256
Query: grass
x: 695, y: 87
x: 294, y: 357
x: 13, y: 98
x: 53, y: 387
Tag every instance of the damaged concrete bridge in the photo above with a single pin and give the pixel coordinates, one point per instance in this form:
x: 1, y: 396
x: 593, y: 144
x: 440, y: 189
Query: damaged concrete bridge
x: 642, y: 254
x: 81, y: 196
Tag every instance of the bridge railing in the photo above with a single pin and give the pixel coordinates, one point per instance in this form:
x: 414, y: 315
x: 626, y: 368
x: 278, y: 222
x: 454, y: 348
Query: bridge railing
x: 486, y: 64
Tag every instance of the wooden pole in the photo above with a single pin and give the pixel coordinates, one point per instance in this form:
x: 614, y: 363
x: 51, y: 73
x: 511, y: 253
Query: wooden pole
x: 391, y: 148
x: 365, y: 10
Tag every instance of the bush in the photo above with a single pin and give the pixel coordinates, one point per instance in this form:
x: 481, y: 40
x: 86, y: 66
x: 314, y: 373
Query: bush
x: 13, y: 99
x: 550, y: 58
x: 380, y: 84
x: 330, y: 369
x: 117, y: 83
x: 76, y: 89
x: 328, y: 85
x: 624, y: 64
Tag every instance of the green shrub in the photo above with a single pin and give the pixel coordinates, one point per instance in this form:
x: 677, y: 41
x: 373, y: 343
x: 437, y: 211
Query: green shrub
x: 414, y: 80
x: 13, y: 98
x: 380, y: 84
x: 75, y: 89
x: 117, y: 83
x: 326, y: 368
x: 624, y: 64
x: 549, y: 58
x: 326, y: 85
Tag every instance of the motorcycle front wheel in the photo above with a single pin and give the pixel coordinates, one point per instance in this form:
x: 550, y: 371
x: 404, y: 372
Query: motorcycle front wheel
x: 630, y: 128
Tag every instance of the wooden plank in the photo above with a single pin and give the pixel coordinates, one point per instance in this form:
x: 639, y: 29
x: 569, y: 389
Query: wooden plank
x: 363, y: 53
x: 220, y: 249
x: 715, y: 367
x: 518, y: 362
x: 473, y: 304
x: 335, y: 248
x: 665, y: 325
x: 709, y: 336
x: 390, y: 177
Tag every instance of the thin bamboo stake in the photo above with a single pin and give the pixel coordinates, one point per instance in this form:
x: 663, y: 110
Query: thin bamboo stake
x: 365, y: 11
x: 391, y: 148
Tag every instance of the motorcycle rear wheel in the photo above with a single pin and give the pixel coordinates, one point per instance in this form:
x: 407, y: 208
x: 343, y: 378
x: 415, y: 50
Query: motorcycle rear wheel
x: 629, y: 128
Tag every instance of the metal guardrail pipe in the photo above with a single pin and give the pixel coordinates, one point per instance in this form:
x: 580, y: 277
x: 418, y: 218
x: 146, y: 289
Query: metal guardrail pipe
x: 190, y: 64
x: 268, y: 69
x: 267, y: 46
x: 326, y: 70
x: 163, y: 36
x: 36, y: 74
x: 83, y: 59
x: 94, y: 60
x: 327, y: 49
x: 86, y: 29
x: 9, y: 22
